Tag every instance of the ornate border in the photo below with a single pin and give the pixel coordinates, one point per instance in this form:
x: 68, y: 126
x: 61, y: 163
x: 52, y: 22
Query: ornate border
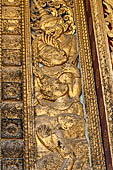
x: 29, y: 153
x: 99, y: 91
x: 16, y: 10
x: 91, y: 104
x: 26, y: 143
x: 0, y: 72
x: 105, y: 65
x: 92, y: 110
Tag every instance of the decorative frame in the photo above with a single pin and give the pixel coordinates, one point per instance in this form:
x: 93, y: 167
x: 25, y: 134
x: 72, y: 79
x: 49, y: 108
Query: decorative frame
x: 106, y: 78
x: 86, y: 60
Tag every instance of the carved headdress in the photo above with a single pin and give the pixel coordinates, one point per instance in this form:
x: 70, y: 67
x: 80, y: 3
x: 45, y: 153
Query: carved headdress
x: 48, y: 20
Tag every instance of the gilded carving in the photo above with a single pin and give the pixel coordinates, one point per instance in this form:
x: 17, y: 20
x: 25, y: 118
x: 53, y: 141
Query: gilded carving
x: 108, y: 15
x: 11, y: 57
x: 12, y: 164
x: 11, y: 129
x: 12, y: 148
x: 104, y: 60
x: 11, y: 12
x: 11, y: 42
x: 11, y: 2
x: 93, y: 118
x: 12, y: 74
x: 11, y: 26
x: 12, y: 91
x: 12, y: 110
x: 12, y: 69
x: 59, y: 120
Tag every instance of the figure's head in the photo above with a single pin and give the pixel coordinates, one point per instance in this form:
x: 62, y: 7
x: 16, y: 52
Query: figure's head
x: 52, y: 26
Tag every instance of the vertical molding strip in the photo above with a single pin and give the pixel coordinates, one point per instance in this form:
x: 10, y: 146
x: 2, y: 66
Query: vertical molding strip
x: 106, y: 74
x: 12, y: 83
x: 89, y: 89
x: 0, y: 73
x: 104, y: 124
x: 26, y: 142
x: 94, y: 128
x: 29, y: 153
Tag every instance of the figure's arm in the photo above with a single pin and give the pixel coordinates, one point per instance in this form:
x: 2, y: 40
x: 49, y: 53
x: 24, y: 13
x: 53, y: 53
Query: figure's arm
x: 73, y: 58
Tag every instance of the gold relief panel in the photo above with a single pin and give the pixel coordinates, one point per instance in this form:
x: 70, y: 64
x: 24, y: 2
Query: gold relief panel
x: 11, y: 12
x: 11, y: 42
x: 11, y: 26
x: 59, y: 118
x: 11, y: 2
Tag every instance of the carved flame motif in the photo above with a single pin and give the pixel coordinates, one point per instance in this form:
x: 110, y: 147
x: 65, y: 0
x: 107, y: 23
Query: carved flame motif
x: 108, y: 15
x: 59, y: 121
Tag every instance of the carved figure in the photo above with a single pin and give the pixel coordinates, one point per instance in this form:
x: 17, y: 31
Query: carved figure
x: 58, y: 111
x: 52, y: 42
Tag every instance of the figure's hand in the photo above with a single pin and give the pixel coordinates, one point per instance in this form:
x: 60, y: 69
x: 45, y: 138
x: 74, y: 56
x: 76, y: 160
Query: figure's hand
x: 73, y: 59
